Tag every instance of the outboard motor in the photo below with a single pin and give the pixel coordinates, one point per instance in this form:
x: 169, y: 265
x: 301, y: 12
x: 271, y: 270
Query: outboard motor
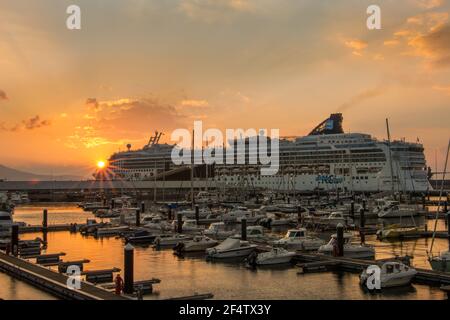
x: 251, y: 259
x: 179, y: 247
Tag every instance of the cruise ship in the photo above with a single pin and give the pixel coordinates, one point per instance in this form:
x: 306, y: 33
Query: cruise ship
x: 326, y: 159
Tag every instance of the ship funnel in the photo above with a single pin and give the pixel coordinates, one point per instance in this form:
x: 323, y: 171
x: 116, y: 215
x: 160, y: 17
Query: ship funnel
x: 332, y: 125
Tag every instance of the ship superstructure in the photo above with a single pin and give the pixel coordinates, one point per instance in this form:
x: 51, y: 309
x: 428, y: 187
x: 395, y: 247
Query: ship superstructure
x: 327, y: 159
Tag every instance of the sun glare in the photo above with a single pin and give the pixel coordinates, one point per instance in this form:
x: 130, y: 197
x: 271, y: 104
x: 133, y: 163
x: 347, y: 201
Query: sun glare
x: 101, y: 164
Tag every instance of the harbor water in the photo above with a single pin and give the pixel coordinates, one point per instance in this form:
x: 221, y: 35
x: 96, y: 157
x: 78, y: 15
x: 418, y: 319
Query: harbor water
x: 184, y: 276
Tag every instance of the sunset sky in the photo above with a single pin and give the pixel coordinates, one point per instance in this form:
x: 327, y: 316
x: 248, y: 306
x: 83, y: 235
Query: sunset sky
x: 69, y: 98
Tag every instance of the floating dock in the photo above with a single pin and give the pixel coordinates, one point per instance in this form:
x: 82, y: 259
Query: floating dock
x: 319, y: 261
x: 51, y: 281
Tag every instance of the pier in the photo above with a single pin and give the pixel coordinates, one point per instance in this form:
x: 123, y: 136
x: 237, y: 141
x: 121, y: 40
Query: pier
x: 51, y: 281
x: 314, y: 262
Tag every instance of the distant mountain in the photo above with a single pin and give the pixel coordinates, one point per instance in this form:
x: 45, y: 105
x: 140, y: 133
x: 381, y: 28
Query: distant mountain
x: 17, y: 175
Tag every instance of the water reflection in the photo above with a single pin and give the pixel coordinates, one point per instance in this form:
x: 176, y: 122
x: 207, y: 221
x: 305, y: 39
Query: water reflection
x: 191, y: 273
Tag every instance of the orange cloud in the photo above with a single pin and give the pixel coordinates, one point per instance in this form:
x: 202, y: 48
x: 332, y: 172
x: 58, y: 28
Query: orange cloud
x: 195, y: 103
x: 429, y: 4
x: 356, y: 45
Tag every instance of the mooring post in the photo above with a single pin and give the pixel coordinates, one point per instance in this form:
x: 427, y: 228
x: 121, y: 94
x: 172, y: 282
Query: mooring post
x: 142, y: 207
x: 45, y: 220
x: 138, y: 218
x: 244, y: 229
x: 128, y: 269
x: 299, y: 216
x: 448, y: 229
x: 340, y: 239
x: 15, y: 239
x: 362, y: 224
x: 180, y: 223
x: 197, y: 213
x: 352, y: 209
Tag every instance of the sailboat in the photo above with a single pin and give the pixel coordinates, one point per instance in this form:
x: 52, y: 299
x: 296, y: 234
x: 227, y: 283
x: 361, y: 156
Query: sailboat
x: 442, y: 261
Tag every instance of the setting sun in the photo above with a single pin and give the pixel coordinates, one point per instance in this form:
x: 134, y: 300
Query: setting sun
x: 101, y: 164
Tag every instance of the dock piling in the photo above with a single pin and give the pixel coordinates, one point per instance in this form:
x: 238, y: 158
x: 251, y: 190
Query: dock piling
x: 45, y: 219
x: 179, y: 223
x: 128, y: 269
x: 340, y: 239
x: 352, y: 209
x: 362, y: 225
x: 15, y: 240
x: 244, y: 229
x: 197, y: 214
x: 138, y: 218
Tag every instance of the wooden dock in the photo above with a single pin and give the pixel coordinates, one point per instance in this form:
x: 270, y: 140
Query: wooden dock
x: 50, y: 228
x: 51, y: 281
x: 314, y: 260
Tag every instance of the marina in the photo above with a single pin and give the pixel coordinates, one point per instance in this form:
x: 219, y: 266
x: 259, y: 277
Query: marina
x: 178, y: 273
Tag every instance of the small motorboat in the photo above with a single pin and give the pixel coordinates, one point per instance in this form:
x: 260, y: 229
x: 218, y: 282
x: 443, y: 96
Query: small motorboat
x: 274, y: 256
x: 189, y: 225
x: 392, y: 274
x: 397, y: 232
x: 393, y: 209
x: 112, y: 231
x: 199, y: 243
x: 170, y: 240
x: 297, y: 239
x: 335, y: 218
x: 217, y: 230
x: 231, y: 248
x: 253, y: 233
x: 441, y: 262
x: 356, y: 251
x: 156, y: 223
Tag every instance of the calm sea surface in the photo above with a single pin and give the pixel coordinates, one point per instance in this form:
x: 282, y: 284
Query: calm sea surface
x: 192, y: 274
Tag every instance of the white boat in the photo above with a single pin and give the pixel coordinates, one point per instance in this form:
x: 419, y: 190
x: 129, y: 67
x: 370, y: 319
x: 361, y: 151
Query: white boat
x: 251, y: 217
x: 155, y: 223
x: 234, y: 215
x: 253, y: 233
x: 441, y: 262
x: 199, y: 243
x: 355, y: 251
x: 217, y: 230
x: 112, y: 231
x: 6, y: 222
x: 171, y: 240
x: 274, y: 256
x: 298, y: 239
x: 392, y: 274
x: 393, y: 209
x: 231, y: 248
x: 335, y: 218
x: 189, y: 225
x: 190, y: 214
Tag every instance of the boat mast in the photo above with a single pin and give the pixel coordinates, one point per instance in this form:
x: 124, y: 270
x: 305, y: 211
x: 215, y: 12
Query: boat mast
x: 390, y: 156
x: 440, y: 198
x: 192, y: 169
